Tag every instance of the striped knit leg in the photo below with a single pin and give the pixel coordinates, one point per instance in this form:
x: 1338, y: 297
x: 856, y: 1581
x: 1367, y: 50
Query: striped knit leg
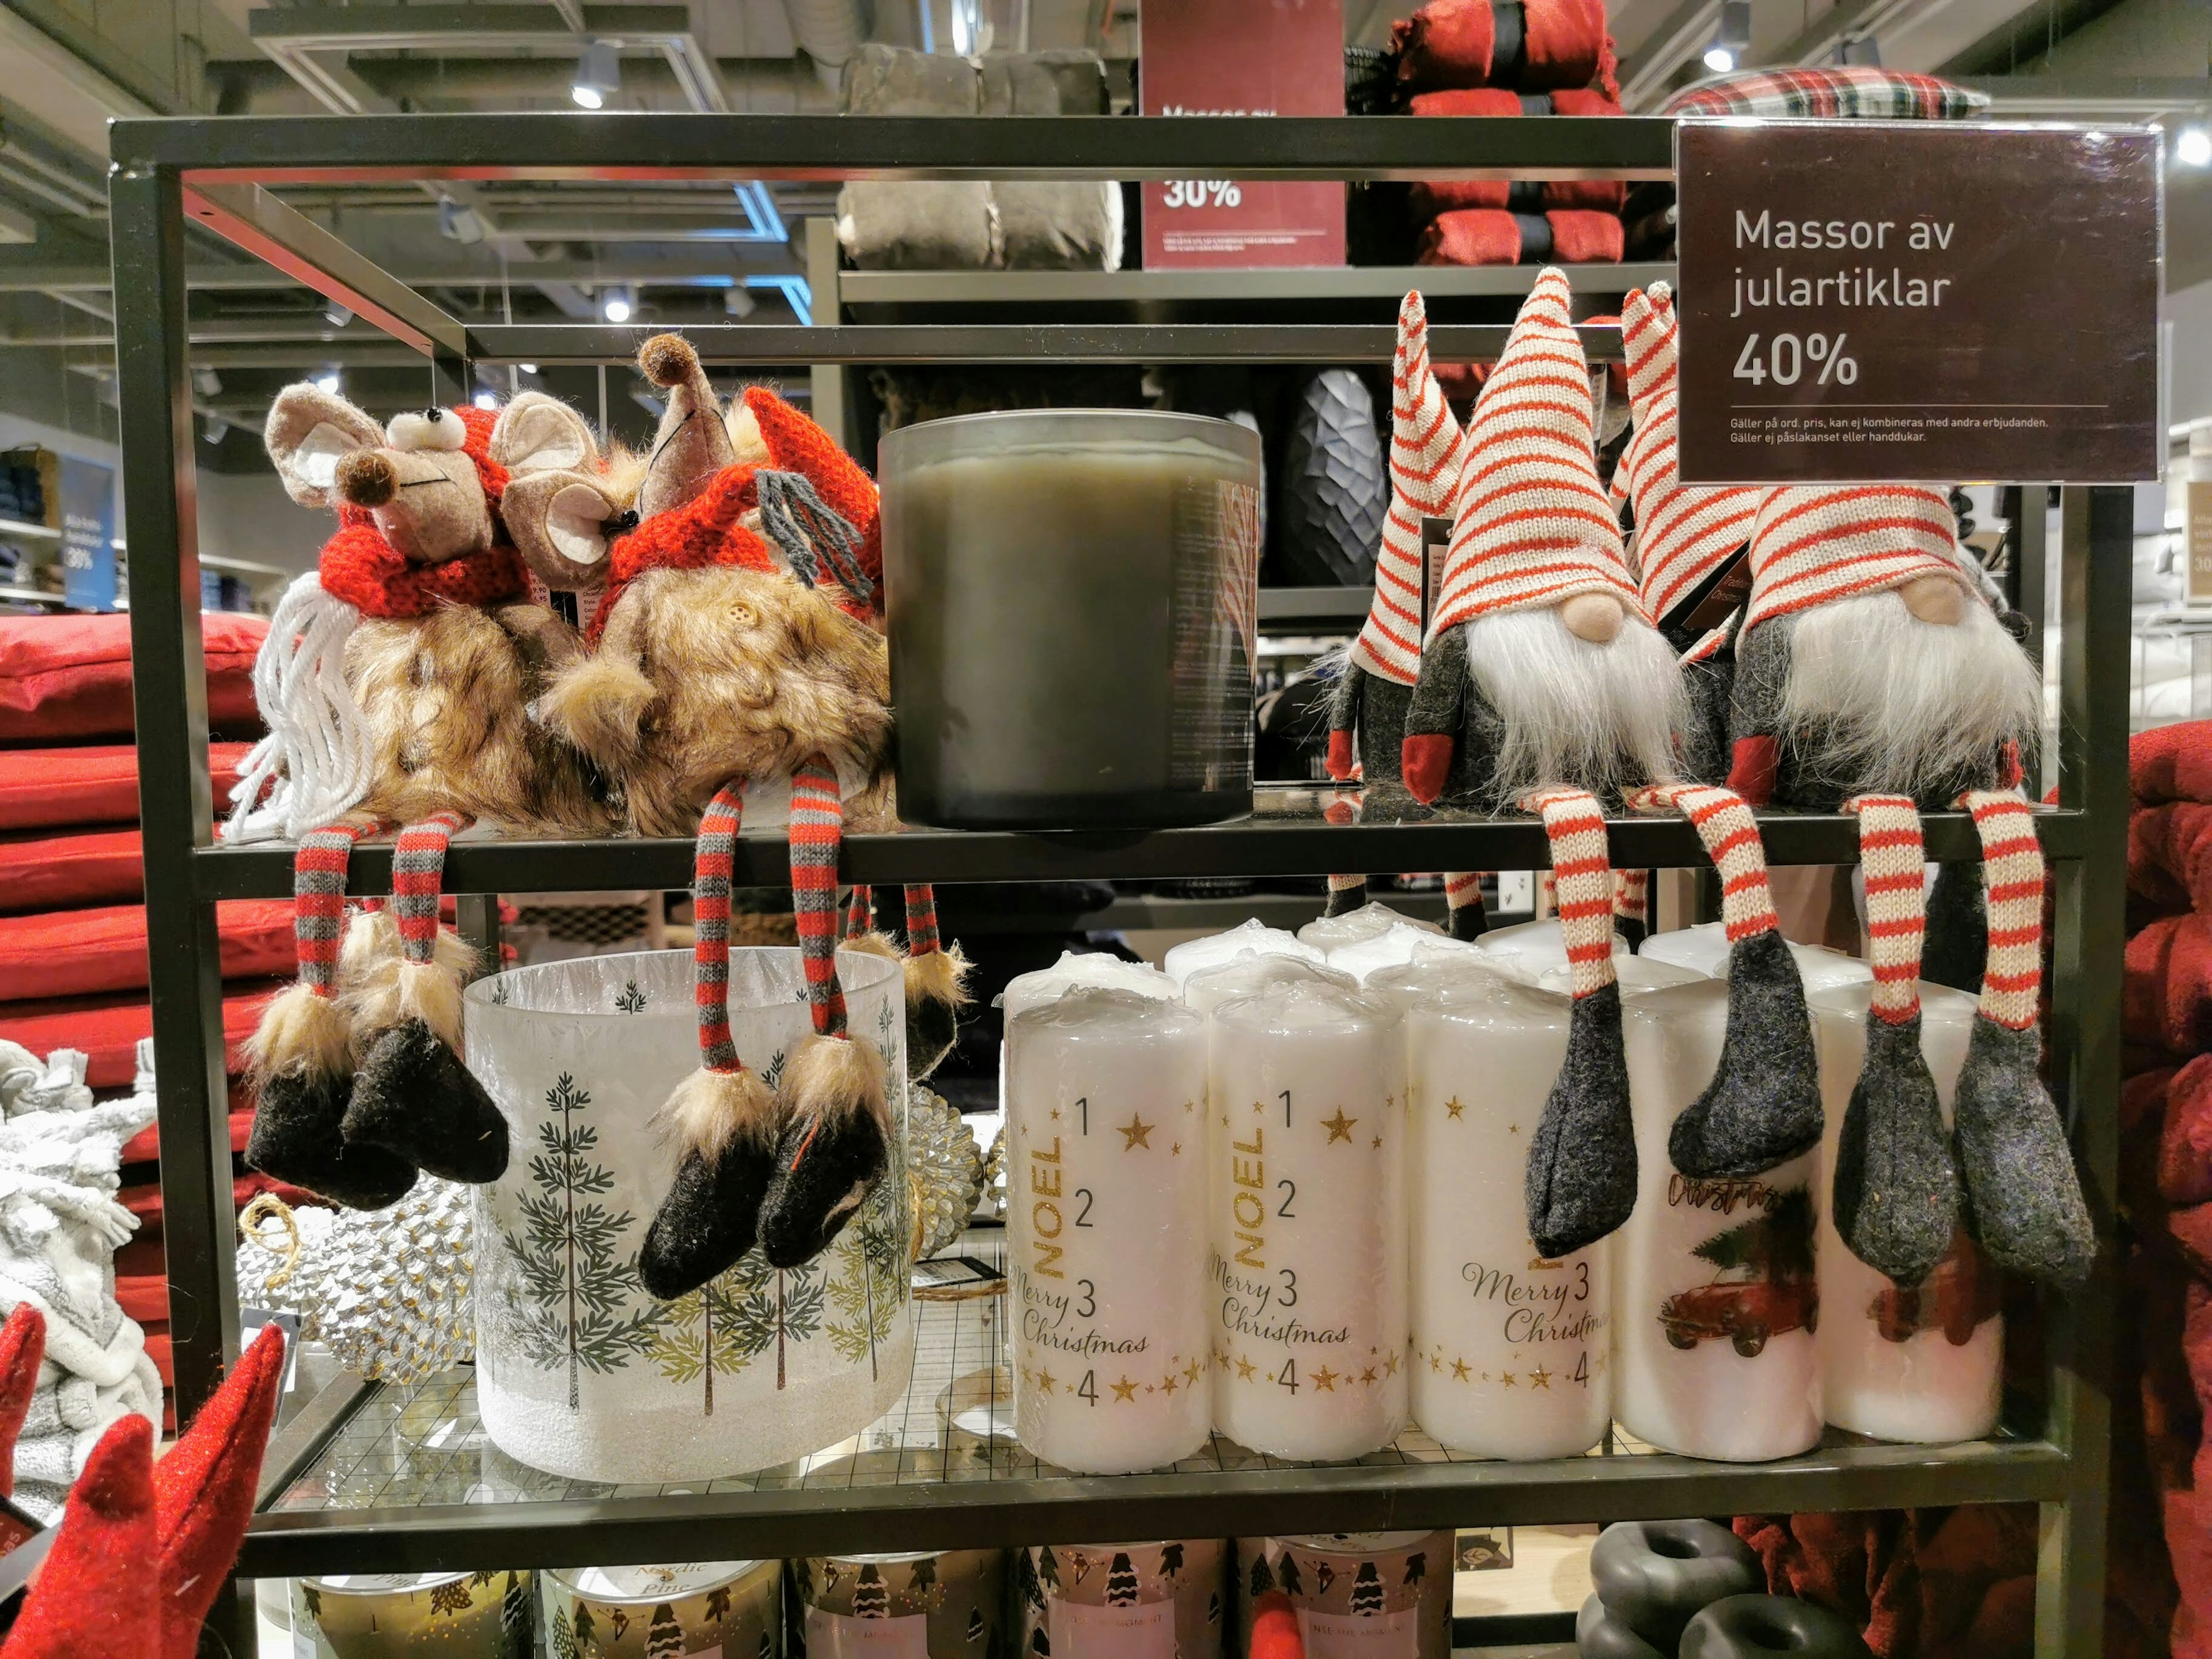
x: 1463, y: 903
x: 838, y: 1139
x: 860, y: 912
x: 412, y: 1094
x: 301, y: 1054
x: 1631, y: 905
x: 1763, y: 1107
x: 723, y: 1118
x: 1581, y: 1160
x: 1896, y: 1181
x: 935, y: 986
x: 2023, y: 1193
x: 1345, y: 893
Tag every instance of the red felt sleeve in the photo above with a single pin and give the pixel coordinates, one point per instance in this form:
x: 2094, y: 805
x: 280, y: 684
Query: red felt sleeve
x: 63, y: 677
x: 1752, y: 768
x: 107, y: 1029
x: 1340, y: 758
x: 1426, y: 759
x: 72, y: 953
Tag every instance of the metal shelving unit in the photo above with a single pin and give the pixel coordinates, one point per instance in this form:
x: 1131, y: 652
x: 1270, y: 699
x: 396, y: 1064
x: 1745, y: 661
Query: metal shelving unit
x: 2052, y: 1450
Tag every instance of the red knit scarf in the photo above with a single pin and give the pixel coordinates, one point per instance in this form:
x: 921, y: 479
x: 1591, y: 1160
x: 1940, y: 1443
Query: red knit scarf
x: 702, y: 532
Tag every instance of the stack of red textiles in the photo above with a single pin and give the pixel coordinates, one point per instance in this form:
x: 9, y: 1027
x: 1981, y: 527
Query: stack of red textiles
x: 72, y: 923
x: 1505, y: 58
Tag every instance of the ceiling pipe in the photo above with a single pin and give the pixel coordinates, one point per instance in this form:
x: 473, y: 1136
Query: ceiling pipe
x: 829, y: 32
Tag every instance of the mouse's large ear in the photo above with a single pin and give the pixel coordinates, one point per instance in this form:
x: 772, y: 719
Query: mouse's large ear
x: 309, y: 432
x: 562, y: 523
x: 538, y: 434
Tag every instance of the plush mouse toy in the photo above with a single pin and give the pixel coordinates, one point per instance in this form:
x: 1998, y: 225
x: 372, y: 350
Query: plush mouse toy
x: 1544, y: 685
x: 1873, y: 675
x: 738, y: 669
x: 398, y: 684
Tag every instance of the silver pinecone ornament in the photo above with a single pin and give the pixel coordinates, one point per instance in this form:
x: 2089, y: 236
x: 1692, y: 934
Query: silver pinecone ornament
x: 945, y: 1171
x: 386, y: 1291
x: 995, y: 1175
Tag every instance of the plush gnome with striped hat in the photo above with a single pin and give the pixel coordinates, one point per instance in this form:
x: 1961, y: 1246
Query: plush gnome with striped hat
x: 741, y: 672
x: 1543, y: 686
x: 397, y: 683
x: 1875, y: 676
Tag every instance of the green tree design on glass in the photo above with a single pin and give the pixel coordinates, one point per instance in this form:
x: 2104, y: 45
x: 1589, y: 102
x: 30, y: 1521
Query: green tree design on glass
x: 562, y: 1640
x: 772, y: 1307
x: 630, y: 1000
x: 577, y: 1285
x: 718, y: 1604
x: 867, y: 1277
x: 696, y: 1336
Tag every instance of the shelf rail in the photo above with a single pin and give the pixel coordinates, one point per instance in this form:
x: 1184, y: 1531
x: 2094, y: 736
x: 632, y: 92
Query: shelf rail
x: 209, y: 169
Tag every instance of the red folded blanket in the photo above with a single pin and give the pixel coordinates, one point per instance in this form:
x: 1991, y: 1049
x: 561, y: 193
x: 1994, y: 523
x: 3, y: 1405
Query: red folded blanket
x: 1535, y: 46
x: 2185, y: 1147
x: 144, y: 1199
x: 61, y: 872
x: 107, y: 1029
x: 1484, y: 236
x: 144, y: 1147
x: 70, y: 953
x: 2170, y: 854
x: 96, y: 783
x: 2165, y: 996
x: 70, y: 677
x: 2172, y: 763
x: 1427, y: 198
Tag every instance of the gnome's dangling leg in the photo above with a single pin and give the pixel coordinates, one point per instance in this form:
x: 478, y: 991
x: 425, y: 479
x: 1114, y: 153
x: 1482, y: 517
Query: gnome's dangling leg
x: 1582, y: 1161
x: 302, y: 1054
x: 860, y: 913
x: 1896, y: 1185
x: 2023, y: 1194
x: 1631, y: 905
x: 1345, y: 894
x: 935, y: 986
x: 837, y: 1136
x: 1763, y: 1106
x: 1463, y: 903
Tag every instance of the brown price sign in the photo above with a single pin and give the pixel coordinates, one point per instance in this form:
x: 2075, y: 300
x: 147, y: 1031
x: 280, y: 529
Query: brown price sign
x: 1918, y: 301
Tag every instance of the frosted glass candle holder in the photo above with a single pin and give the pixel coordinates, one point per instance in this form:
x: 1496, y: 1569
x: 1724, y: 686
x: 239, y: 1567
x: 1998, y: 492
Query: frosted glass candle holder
x: 1529, y: 948
x: 1255, y: 936
x: 1705, y: 949
x: 1922, y: 1365
x: 578, y: 1370
x: 1714, y: 1300
x: 1307, y: 1088
x: 1106, y: 1189
x: 1512, y: 1353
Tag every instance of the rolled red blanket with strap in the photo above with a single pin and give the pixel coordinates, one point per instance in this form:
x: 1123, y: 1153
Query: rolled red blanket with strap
x: 1447, y: 43
x: 1472, y: 236
x: 2173, y: 763
x: 1565, y: 45
x: 2165, y: 999
x: 1581, y: 236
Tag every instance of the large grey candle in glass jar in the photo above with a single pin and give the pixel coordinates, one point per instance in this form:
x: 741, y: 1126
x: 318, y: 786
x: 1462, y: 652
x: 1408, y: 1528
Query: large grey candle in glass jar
x: 1073, y: 600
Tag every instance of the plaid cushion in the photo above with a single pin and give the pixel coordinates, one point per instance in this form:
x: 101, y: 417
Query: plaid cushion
x: 1870, y: 94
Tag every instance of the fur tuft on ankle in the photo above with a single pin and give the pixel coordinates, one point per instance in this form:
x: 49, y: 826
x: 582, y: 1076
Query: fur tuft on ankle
x: 599, y: 703
x: 709, y: 1109
x: 393, y: 990
x: 371, y: 937
x: 300, y: 1033
x: 938, y: 976
x: 873, y: 944
x: 833, y: 1078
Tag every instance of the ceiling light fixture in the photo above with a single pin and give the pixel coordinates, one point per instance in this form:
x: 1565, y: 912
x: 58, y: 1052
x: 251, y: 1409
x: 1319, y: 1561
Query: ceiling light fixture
x: 327, y: 381
x: 762, y: 222
x: 207, y: 383
x: 1732, y: 39
x: 616, y: 305
x: 460, y: 224
x: 598, y: 76
x: 2192, y: 147
x: 217, y: 430
x: 487, y: 399
x: 337, y: 315
x: 798, y: 293
x: 738, y: 302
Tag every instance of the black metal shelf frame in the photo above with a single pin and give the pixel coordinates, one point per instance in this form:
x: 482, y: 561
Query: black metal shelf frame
x: 213, y: 171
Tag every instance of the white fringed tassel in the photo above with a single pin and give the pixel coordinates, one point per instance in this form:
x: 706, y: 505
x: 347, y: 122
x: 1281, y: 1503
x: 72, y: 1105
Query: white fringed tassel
x: 314, y: 762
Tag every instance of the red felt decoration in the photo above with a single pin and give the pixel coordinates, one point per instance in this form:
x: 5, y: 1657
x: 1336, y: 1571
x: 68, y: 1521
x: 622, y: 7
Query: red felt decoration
x: 204, y: 1490
x: 96, y: 783
x: 89, y: 1600
x: 70, y: 953
x: 1275, y: 1631
x: 63, y: 677
x: 23, y: 1346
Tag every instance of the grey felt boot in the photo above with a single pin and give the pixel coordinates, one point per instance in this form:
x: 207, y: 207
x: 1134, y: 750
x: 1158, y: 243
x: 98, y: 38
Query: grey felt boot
x: 1763, y: 1106
x: 2024, y: 1198
x: 709, y: 1218
x: 413, y: 1097
x: 1896, y: 1185
x: 1582, y: 1159
x: 296, y: 1139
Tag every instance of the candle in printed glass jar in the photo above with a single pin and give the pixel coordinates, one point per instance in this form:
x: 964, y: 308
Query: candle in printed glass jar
x: 1106, y: 1179
x: 1307, y: 1088
x: 944, y: 1604
x: 1359, y: 1594
x: 1926, y: 1363
x: 1714, y: 1292
x: 726, y: 1609
x: 399, y: 1615
x: 1164, y: 1600
x: 1255, y: 936
x: 1529, y: 948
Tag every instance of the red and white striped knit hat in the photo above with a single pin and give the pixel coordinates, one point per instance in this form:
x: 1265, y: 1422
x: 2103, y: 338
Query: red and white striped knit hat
x: 1683, y: 532
x: 1812, y: 546
x: 1533, y: 525
x: 1427, y: 450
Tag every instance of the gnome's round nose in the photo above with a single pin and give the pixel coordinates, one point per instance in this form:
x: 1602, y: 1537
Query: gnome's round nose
x: 1593, y: 617
x: 1935, y: 600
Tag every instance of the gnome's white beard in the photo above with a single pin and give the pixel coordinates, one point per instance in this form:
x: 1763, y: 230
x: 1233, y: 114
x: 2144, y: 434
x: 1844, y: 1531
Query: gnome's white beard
x: 1899, y: 705
x: 1599, y: 717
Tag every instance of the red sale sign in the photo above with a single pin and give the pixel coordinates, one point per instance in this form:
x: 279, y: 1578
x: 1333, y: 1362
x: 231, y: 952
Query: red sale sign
x: 1242, y: 57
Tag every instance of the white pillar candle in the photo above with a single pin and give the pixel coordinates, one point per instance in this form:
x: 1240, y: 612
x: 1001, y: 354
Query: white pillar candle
x: 1925, y: 1364
x: 1511, y: 1352
x: 1635, y: 976
x: 1332, y: 934
x: 1530, y: 947
x: 1714, y: 1295
x: 1705, y: 949
x: 1395, y: 946
x: 1187, y: 957
x: 1026, y: 991
x: 1106, y: 1189
x: 1248, y: 973
x: 1308, y: 1093
x: 1430, y: 954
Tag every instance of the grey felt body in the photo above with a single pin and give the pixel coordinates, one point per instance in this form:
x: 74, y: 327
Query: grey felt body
x: 1445, y: 701
x: 823, y: 1168
x: 1704, y: 749
x: 1896, y: 1184
x: 1582, y: 1159
x: 2024, y: 1199
x: 1763, y: 1106
x: 1383, y: 706
x: 413, y: 1097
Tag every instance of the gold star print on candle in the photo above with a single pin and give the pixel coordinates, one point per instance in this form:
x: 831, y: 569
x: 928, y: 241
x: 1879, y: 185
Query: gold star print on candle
x: 1125, y: 1389
x: 1133, y: 1133
x: 1506, y: 1377
x: 1190, y: 1372
x: 1458, y: 1371
x: 1168, y: 1384
x: 1245, y: 1368
x: 1339, y: 1127
x: 1367, y: 1376
x: 1044, y: 1381
x: 1389, y: 1364
x: 1175, y: 1149
x: 1455, y: 1107
x: 1435, y: 1362
x: 1540, y: 1378
x: 1325, y: 1379
x: 1378, y: 1143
